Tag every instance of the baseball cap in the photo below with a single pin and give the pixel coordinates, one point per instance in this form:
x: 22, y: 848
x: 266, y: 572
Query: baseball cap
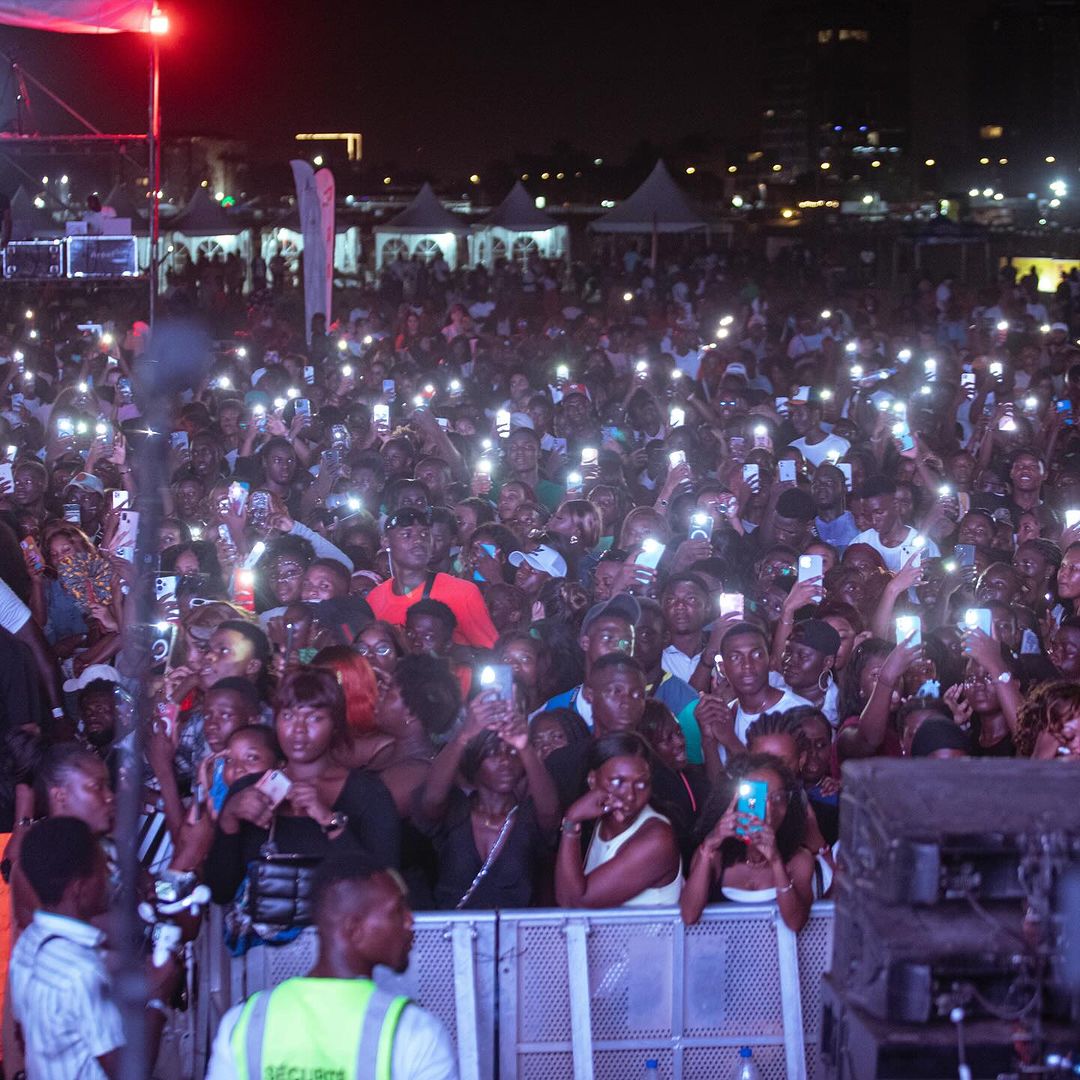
x: 93, y: 673
x: 1063, y: 327
x: 545, y: 559
x: 621, y: 604
x: 85, y: 481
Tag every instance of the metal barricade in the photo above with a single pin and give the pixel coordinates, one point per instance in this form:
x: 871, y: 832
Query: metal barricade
x: 582, y: 995
x: 590, y: 995
x: 451, y: 974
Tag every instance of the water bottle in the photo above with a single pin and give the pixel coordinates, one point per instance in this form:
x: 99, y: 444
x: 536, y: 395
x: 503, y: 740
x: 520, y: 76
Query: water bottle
x: 745, y: 1069
x: 652, y: 1069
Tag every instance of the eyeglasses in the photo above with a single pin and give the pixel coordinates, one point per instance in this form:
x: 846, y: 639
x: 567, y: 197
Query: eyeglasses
x: 409, y: 516
x: 382, y: 649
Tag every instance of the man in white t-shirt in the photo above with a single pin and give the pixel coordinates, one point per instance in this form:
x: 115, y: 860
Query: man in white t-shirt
x: 894, y: 541
x: 814, y: 442
x: 725, y: 715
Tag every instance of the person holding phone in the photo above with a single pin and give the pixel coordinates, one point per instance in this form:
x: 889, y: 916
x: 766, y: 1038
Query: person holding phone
x: 753, y: 858
x: 814, y: 443
x: 491, y: 835
x: 888, y: 535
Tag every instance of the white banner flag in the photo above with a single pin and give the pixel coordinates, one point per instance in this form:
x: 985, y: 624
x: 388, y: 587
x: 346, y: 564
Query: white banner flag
x: 311, y: 188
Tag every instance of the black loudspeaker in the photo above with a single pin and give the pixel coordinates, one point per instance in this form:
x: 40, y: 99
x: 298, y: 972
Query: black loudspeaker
x: 102, y: 257
x: 947, y: 907
x: 30, y: 259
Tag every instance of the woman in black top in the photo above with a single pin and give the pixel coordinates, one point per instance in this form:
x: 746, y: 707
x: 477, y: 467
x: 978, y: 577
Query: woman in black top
x: 494, y: 825
x: 329, y: 807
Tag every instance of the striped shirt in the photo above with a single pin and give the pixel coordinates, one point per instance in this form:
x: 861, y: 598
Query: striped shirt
x: 60, y: 998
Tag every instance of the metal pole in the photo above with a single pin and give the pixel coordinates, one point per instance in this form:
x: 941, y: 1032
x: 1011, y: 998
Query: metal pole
x: 154, y: 171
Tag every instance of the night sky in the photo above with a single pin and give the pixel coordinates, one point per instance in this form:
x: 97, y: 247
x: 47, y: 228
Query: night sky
x: 437, y: 88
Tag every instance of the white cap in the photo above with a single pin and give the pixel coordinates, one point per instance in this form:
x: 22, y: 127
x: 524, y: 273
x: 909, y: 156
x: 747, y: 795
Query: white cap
x: 545, y: 559
x: 94, y: 673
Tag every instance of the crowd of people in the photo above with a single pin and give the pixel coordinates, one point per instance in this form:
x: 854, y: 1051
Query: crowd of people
x: 535, y: 588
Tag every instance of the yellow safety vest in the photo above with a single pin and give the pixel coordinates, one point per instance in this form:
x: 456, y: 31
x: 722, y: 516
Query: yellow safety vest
x: 317, y: 1029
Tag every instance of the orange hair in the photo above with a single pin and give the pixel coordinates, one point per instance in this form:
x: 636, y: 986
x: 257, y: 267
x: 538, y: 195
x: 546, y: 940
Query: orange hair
x: 357, y: 682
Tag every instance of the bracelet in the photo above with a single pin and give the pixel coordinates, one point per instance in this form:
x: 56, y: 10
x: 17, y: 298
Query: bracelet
x: 787, y: 888
x: 570, y: 828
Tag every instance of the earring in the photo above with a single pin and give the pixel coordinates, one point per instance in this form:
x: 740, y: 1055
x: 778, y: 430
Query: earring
x: 827, y: 677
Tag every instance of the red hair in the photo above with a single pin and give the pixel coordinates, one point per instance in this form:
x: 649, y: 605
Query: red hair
x: 357, y: 682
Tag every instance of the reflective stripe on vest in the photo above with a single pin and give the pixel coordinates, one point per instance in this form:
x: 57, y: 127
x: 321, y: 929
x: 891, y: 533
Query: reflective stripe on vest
x: 317, y: 1029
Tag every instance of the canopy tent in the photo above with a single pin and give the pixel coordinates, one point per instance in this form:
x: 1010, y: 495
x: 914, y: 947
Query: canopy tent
x: 202, y: 230
x: 30, y: 222
x: 658, y: 205
x: 516, y: 229
x: 283, y: 237
x: 424, y: 228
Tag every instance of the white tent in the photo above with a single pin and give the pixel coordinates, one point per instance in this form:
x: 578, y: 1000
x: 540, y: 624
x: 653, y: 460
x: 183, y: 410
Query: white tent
x: 659, y: 205
x: 203, y: 229
x: 516, y: 229
x: 424, y: 228
x: 285, y: 238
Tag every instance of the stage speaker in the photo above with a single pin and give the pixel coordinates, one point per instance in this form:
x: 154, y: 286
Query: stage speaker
x: 949, y: 904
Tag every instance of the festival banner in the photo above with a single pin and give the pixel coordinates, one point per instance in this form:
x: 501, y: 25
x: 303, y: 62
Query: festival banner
x: 310, y: 190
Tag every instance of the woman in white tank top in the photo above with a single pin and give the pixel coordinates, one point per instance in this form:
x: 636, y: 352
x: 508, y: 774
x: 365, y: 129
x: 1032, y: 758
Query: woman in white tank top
x: 633, y: 858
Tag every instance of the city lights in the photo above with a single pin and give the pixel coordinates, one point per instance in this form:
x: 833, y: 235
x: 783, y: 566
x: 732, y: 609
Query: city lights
x: 929, y: 162
x: 1059, y: 188
x: 690, y: 170
x: 826, y: 165
x: 1049, y: 159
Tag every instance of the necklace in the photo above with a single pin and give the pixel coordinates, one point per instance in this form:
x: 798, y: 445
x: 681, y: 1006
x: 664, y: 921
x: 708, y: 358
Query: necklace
x: 488, y: 822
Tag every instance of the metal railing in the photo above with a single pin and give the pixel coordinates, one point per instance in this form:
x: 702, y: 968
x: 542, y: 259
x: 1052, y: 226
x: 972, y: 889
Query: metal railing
x: 580, y: 995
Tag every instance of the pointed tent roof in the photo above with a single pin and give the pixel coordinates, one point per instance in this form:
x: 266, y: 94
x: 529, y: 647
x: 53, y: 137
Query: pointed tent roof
x: 29, y: 222
x: 204, y: 217
x: 658, y: 204
x: 425, y: 214
x: 518, y: 213
x: 124, y: 201
x: 290, y: 220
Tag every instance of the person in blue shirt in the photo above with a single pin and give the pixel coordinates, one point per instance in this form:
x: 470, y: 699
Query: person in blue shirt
x: 835, y: 525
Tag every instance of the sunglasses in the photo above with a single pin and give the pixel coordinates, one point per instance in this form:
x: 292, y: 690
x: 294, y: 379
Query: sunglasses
x: 410, y: 516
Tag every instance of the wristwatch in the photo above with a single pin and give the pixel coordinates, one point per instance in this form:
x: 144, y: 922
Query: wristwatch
x: 1005, y: 678
x: 338, y: 820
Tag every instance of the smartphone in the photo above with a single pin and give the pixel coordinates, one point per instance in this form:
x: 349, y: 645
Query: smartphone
x: 123, y: 386
x: 676, y: 458
x: 490, y: 550
x: 964, y: 554
x: 165, y: 588
x: 389, y: 389
x: 7, y: 476
x: 65, y: 426
x: 103, y: 432
x: 339, y: 436
x: 785, y: 470
x: 275, y: 785
x: 997, y: 369
x: 1072, y: 517
x: 35, y: 563
x: 259, y: 509
x: 380, y: 414
x: 589, y: 456
x: 811, y: 566
x: 127, y: 534
x: 652, y: 551
x: 498, y: 678
x: 967, y: 380
x: 906, y: 625
x: 701, y: 526
x: 753, y: 801
x: 309, y: 375
x: 845, y: 468
x: 762, y: 439
x: 302, y: 407
x: 732, y: 603
x: 979, y: 619
x: 737, y: 446
x: 913, y: 547
x: 676, y: 417
x: 179, y: 440
x: 575, y: 483
x: 752, y: 475
x: 238, y: 495
x: 244, y: 588
x: 502, y: 423
x: 161, y: 647
x: 120, y: 498
x: 73, y: 513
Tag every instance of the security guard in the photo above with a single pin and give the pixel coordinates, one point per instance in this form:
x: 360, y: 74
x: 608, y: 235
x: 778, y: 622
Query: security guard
x: 335, y: 1024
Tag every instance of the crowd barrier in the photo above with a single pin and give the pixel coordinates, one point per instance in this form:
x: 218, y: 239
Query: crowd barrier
x: 576, y: 995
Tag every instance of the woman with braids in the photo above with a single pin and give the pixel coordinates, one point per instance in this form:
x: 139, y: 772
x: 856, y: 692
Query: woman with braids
x: 1037, y: 562
x: 1048, y: 722
x: 745, y: 860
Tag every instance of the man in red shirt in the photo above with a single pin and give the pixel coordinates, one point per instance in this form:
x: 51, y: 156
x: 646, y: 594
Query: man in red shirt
x: 408, y: 539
